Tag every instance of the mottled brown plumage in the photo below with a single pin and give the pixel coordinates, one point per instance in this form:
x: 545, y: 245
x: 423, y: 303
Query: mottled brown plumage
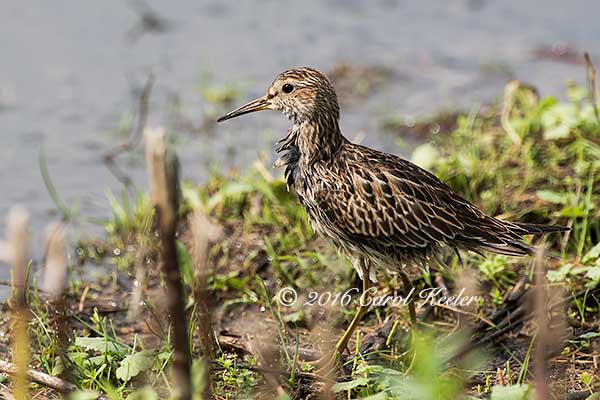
x: 381, y: 209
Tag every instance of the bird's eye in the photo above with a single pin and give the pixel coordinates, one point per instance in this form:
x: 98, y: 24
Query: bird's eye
x: 287, y: 88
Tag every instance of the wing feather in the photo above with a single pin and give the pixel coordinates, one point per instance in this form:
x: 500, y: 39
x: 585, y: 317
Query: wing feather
x: 382, y: 200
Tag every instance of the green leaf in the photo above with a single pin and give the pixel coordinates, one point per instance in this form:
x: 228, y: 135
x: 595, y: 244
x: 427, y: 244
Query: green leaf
x: 592, y: 255
x: 133, y: 364
x: 100, y: 344
x: 229, y: 190
x: 145, y: 393
x: 378, y: 396
x: 425, y: 155
x: 83, y: 395
x: 551, y: 196
x: 559, y: 275
x: 589, y: 335
x: 514, y: 392
x: 573, y: 212
x: 593, y: 274
x: 185, y: 264
x: 343, y: 386
x: 558, y: 121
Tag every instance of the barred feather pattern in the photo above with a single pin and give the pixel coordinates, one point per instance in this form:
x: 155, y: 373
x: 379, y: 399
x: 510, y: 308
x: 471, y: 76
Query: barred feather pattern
x: 378, y: 208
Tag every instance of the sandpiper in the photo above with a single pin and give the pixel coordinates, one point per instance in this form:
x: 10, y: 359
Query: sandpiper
x: 381, y: 210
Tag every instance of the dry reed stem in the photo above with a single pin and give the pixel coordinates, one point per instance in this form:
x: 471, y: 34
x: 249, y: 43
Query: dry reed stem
x: 510, y: 90
x: 55, y: 268
x: 135, y: 135
x: 542, y: 389
x: 552, y: 327
x: 591, y: 83
x: 18, y: 239
x: 164, y: 186
x: 203, y: 233
x: 268, y: 358
x: 43, y: 379
x: 54, y: 283
x: 135, y: 301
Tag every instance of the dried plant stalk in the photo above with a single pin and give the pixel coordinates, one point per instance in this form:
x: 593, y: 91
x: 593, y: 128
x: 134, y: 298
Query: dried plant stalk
x: 18, y: 240
x: 203, y: 233
x: 164, y: 186
x: 135, y: 301
x: 54, y: 284
x: 542, y: 389
x: 591, y: 83
x: 55, y: 268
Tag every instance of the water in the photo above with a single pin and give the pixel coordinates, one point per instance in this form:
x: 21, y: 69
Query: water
x: 69, y: 70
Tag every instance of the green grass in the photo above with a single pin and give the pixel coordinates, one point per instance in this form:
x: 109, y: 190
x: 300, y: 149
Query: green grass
x: 546, y: 171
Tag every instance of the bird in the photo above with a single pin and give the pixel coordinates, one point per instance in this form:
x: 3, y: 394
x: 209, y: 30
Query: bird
x: 381, y: 210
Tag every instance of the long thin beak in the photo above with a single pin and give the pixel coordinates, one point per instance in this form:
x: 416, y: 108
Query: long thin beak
x: 255, y: 105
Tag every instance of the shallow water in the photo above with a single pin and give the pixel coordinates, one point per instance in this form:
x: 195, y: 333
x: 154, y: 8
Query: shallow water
x: 69, y: 70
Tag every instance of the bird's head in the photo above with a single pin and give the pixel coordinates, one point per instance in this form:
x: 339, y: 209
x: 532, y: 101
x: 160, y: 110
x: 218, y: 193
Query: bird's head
x: 300, y: 93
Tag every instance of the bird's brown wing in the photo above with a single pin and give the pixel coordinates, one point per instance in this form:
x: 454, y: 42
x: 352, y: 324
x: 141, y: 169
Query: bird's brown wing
x: 387, y: 201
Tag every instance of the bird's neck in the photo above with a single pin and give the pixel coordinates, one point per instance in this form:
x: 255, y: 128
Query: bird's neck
x: 317, y: 138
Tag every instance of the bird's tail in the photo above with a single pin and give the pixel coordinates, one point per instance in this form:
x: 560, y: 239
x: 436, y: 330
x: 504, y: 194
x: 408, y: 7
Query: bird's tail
x: 535, y: 229
x: 512, y: 244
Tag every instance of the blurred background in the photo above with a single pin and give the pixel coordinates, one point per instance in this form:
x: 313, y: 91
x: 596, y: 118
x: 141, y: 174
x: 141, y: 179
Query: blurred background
x: 72, y: 73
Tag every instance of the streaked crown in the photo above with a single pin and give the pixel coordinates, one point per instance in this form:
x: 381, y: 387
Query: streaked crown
x: 303, y: 93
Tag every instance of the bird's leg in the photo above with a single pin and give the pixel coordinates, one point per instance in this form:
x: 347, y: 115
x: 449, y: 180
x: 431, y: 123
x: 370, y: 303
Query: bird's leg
x: 408, y: 287
x: 363, y: 307
x: 329, y: 362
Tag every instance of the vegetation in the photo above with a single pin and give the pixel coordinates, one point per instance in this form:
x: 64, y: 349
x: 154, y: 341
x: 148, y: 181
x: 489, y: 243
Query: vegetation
x: 527, y: 159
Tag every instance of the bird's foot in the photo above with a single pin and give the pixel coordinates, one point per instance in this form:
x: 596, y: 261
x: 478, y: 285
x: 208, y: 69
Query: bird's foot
x: 326, y: 367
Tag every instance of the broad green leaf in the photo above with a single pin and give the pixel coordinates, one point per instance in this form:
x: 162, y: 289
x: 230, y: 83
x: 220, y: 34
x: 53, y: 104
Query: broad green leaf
x: 83, y: 395
x: 513, y: 392
x: 593, y: 274
x: 425, y: 155
x: 551, y: 196
x: 558, y: 121
x: 378, y: 396
x: 573, y: 212
x: 589, y: 335
x: 558, y: 132
x: 191, y: 195
x: 133, y: 364
x: 145, y: 393
x: 230, y: 189
x: 343, y: 386
x: 592, y: 255
x: 561, y: 274
x: 100, y: 344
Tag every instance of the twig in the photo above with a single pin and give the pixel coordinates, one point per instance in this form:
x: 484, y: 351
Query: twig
x: 516, y: 318
x: 592, y: 88
x: 236, y: 343
x: 43, y: 379
x: 134, y: 138
x: 81, y: 304
x: 164, y: 186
